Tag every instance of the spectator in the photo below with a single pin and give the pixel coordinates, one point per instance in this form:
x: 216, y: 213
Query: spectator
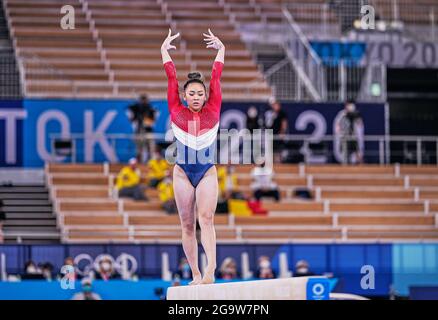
x: 228, y: 269
x: 128, y: 182
x: 302, y: 269
x: 253, y: 119
x: 349, y: 127
x: 263, y: 186
x: 31, y: 271
x: 47, y: 270
x: 264, y: 270
x: 87, y: 292
x: 184, y: 272
x: 157, y: 168
x: 106, y: 270
x: 69, y: 262
x: 228, y: 186
x: 276, y: 119
x: 176, y: 281
x: 165, y: 193
x: 143, y: 115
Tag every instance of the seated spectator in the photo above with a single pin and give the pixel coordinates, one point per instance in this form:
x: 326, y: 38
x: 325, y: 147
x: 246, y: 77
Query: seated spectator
x: 253, y: 119
x: 69, y: 262
x: 157, y: 169
x: 106, y: 270
x: 176, y: 281
x: 166, y: 195
x: 128, y: 182
x: 302, y: 269
x: 263, y: 186
x: 47, y: 270
x: 184, y: 272
x: 264, y: 270
x: 87, y: 292
x: 32, y: 272
x: 228, y: 186
x: 228, y: 269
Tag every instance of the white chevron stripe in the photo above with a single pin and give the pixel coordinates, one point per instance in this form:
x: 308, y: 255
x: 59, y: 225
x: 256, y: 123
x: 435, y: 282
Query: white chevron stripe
x: 197, y: 143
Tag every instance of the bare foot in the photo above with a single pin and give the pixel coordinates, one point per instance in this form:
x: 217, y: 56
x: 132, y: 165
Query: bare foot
x: 208, y: 278
x: 196, y: 280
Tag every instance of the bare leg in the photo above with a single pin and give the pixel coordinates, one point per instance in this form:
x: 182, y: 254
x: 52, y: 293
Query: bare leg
x: 206, y: 201
x: 185, y: 202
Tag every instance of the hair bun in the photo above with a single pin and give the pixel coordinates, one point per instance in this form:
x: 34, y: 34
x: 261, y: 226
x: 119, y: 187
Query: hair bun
x: 194, y: 76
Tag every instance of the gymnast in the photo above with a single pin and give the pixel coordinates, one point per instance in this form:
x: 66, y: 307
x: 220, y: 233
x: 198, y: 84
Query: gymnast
x: 194, y: 175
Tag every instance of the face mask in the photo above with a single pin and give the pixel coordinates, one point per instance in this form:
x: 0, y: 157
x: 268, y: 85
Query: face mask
x: 302, y: 270
x: 31, y: 269
x: 252, y: 112
x: 86, y: 289
x: 106, y: 266
x: 265, y: 264
x: 186, y: 267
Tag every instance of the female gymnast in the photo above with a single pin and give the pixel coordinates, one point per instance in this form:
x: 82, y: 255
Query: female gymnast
x: 194, y: 175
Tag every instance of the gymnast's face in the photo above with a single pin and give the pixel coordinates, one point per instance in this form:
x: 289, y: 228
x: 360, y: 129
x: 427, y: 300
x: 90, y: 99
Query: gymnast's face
x: 195, y: 96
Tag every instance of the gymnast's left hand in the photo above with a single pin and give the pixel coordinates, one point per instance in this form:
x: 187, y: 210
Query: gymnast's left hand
x: 213, y: 41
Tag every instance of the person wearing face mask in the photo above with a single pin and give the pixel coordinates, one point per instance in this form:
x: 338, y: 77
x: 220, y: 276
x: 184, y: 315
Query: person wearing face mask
x: 106, y: 270
x: 350, y: 129
x: 184, y: 272
x: 302, y: 269
x: 228, y: 269
x: 32, y: 272
x: 87, y: 292
x: 253, y: 119
x: 47, y: 270
x: 264, y: 270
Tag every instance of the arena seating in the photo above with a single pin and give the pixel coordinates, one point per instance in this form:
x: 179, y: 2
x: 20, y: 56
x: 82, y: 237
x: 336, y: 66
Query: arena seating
x: 114, y: 50
x: 350, y: 203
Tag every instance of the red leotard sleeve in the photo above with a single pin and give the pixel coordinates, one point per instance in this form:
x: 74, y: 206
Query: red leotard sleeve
x: 215, y: 95
x: 173, y: 99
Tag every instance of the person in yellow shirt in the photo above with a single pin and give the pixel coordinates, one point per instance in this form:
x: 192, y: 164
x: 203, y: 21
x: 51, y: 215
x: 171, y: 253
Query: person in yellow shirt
x: 165, y: 193
x: 129, y: 182
x: 228, y: 187
x: 157, y: 168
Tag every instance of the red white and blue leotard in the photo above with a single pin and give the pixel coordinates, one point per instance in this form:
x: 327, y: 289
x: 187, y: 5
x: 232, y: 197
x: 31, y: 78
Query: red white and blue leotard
x: 195, y: 132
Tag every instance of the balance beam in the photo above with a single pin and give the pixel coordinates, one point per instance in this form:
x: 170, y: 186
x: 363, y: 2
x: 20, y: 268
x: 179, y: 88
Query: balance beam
x: 275, y: 289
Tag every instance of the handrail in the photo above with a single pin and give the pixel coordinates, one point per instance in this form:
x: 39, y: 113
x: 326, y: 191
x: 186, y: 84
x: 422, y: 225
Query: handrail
x: 316, y: 84
x: 381, y: 151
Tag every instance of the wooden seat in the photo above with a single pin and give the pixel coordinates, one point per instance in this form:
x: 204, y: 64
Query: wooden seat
x: 254, y: 220
x: 373, y: 220
x: 93, y: 220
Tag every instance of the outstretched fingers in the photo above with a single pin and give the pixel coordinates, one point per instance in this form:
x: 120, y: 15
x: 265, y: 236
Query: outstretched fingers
x: 174, y: 37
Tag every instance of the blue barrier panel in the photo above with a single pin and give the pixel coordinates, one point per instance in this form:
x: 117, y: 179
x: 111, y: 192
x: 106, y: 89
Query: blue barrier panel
x: 352, y: 264
x: 108, y: 290
x: 414, y: 265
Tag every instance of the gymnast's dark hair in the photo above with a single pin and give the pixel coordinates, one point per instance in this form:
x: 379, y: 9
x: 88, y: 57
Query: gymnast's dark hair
x: 194, y: 77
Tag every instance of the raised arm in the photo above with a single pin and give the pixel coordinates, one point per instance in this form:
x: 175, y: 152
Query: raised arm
x: 166, y: 46
x: 173, y: 99
x: 215, y: 85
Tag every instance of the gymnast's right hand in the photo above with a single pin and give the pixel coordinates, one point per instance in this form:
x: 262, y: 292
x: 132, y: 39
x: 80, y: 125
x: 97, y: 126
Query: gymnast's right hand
x: 166, y: 44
